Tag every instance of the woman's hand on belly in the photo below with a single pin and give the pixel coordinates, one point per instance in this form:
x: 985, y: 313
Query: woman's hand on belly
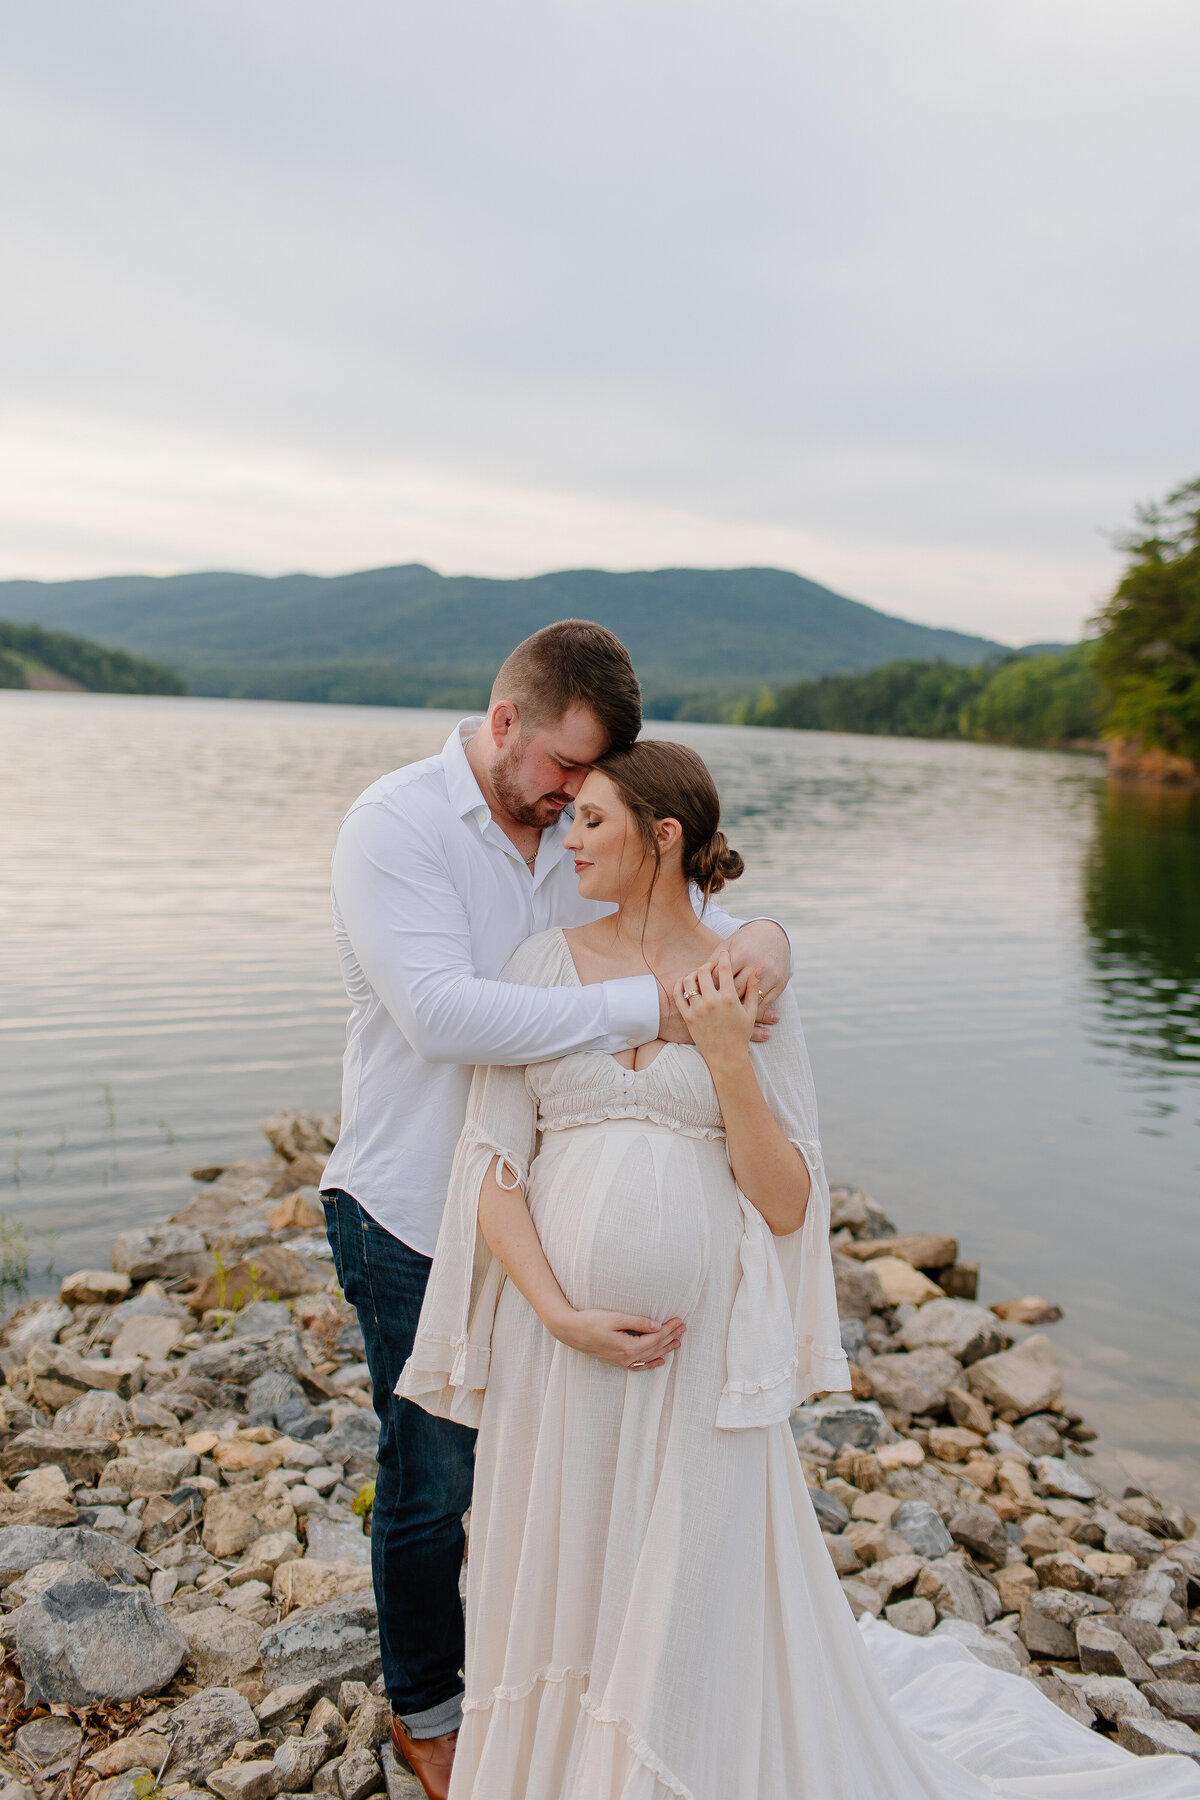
x: 623, y: 1339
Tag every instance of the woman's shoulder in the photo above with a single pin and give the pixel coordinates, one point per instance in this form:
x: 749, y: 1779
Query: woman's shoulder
x: 543, y: 960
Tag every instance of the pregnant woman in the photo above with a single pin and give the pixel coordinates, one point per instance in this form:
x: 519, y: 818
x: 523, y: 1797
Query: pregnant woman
x: 632, y: 1289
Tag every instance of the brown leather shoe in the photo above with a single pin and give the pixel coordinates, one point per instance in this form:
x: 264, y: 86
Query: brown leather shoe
x: 430, y: 1759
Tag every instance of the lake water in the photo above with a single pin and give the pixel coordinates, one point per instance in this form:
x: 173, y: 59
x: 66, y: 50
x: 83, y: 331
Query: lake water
x: 999, y: 960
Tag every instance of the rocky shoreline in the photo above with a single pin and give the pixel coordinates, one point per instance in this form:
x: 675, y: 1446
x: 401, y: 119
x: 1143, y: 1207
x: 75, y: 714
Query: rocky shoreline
x: 187, y: 1454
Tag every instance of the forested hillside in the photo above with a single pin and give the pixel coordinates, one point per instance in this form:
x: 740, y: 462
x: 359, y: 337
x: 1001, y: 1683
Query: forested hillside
x: 28, y: 654
x: 410, y: 636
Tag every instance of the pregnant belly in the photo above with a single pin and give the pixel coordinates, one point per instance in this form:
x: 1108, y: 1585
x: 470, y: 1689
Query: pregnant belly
x: 631, y: 1214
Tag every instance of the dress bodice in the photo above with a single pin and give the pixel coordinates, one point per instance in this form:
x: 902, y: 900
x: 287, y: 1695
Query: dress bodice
x: 589, y: 1086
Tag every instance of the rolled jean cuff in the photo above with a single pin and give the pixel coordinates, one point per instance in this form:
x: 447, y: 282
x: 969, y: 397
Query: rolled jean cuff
x: 435, y: 1721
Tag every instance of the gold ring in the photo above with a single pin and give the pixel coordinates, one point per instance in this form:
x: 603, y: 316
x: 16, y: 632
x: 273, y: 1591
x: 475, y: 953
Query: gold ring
x: 689, y: 993
x: 637, y: 1365
x: 761, y: 995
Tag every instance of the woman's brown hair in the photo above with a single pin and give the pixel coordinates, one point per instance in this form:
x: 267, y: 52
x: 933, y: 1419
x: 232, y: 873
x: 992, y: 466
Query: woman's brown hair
x: 669, y: 781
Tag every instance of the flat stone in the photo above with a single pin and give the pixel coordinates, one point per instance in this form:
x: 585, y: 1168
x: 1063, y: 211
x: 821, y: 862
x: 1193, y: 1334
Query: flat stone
x: 22, y: 1547
x: 889, y: 1573
x: 79, y: 1455
x: 82, y: 1642
x: 954, y: 1443
x: 93, y: 1287
x: 947, y: 1583
x: 306, y: 1582
x: 968, y: 1410
x: 1032, y: 1310
x: 161, y: 1253
x: 915, y: 1381
x: 917, y: 1617
x: 203, y: 1731
x: 879, y: 1507
x: 237, y: 1453
x: 979, y: 1530
x: 982, y: 1645
x: 234, y: 1517
x: 845, y: 1558
x: 1057, y: 1476
x: 240, y: 1359
x: 335, y: 1642
x: 46, y: 1741
x: 148, y: 1337
x: 134, y: 1781
x: 221, y: 1646
x: 967, y: 1331
x: 254, y: 1780
x: 1014, y: 1584
x: 1130, y: 1540
x: 1158, y: 1737
x: 902, y: 1284
x: 1022, y: 1380
x: 1147, y: 1595
x: 147, y: 1750
x: 98, y: 1413
x: 334, y: 1541
x: 922, y: 1528
x: 1167, y: 1665
x: 264, y: 1556
x: 359, y: 1775
x: 1178, y: 1699
x: 284, y: 1704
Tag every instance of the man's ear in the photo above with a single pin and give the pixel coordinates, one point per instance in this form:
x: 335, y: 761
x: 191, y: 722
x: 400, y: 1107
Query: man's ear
x: 504, y: 722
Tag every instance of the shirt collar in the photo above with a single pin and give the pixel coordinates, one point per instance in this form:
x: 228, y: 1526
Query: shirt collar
x: 464, y: 792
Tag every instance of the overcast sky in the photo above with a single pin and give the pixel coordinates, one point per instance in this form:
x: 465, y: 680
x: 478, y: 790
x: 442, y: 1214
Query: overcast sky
x: 903, y: 296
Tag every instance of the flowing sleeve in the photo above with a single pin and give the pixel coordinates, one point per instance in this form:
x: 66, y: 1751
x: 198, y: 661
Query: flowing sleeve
x: 784, y: 1342
x: 448, y: 1369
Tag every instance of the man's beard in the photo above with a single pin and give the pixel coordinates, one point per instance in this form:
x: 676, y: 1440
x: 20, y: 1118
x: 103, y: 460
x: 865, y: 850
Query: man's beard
x: 538, y: 813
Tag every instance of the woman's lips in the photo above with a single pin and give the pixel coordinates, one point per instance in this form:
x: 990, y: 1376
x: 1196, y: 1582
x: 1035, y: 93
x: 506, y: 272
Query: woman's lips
x: 581, y: 866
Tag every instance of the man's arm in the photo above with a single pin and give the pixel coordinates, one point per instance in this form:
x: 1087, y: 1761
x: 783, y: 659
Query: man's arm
x: 756, y: 944
x: 408, y: 928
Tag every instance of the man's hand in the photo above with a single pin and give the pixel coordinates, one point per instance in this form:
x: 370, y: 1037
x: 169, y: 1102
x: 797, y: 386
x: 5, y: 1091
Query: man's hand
x: 760, y: 950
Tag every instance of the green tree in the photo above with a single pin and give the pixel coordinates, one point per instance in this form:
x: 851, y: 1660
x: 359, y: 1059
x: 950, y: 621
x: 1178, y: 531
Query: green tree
x: 12, y: 671
x: 1148, y: 657
x: 1038, y: 700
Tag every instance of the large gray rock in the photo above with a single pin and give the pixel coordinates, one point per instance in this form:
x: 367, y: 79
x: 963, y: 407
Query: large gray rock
x: 240, y: 1359
x: 161, y: 1253
x: 359, y: 1775
x: 831, y: 1514
x: 338, y: 1541
x: 1019, y: 1381
x: 204, y: 1730
x: 39, y: 1323
x: 1104, y: 1651
x: 332, y: 1643
x: 915, y: 1381
x: 1049, y: 1619
x: 1147, y: 1594
x: 955, y: 1596
x: 922, y: 1527
x: 82, y: 1642
x: 298, y: 1759
x: 1178, y: 1699
x: 843, y: 1423
x: 22, y: 1547
x: 277, y: 1399
x: 235, y: 1517
x: 967, y: 1331
x: 97, y: 1413
x: 59, y: 1376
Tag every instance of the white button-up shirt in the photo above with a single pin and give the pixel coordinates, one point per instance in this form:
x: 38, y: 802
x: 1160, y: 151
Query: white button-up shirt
x: 430, y: 899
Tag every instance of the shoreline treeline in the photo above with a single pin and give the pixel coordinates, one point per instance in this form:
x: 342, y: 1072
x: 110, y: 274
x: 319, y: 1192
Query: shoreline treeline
x: 27, y: 650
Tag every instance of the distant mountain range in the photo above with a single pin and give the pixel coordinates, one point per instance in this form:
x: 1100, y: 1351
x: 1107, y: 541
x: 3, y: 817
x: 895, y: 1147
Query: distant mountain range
x: 410, y: 636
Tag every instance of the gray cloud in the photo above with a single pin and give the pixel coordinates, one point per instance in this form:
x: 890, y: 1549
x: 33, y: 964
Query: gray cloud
x: 903, y: 296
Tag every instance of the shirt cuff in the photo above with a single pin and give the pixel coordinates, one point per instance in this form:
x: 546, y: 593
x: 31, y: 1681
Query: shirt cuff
x: 632, y: 1007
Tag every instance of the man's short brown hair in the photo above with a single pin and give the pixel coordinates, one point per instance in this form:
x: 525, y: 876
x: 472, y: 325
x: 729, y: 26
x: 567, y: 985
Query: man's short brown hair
x: 573, y: 663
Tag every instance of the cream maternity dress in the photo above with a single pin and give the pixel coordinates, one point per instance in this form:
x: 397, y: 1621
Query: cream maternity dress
x: 651, y: 1610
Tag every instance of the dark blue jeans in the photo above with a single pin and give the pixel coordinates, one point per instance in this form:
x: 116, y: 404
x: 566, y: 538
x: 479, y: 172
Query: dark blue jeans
x: 426, y: 1466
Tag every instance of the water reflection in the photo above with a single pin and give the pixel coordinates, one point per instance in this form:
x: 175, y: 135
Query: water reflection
x: 1141, y: 909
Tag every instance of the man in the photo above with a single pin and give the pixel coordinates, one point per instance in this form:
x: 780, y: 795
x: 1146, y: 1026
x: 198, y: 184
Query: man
x: 441, y: 869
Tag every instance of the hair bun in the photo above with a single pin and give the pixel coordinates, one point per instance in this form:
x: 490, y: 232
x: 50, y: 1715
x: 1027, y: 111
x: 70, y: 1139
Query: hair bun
x: 712, y: 864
